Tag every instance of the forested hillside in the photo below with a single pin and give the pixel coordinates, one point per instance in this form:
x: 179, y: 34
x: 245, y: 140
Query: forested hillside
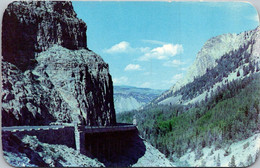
x: 216, y: 110
x: 227, y: 117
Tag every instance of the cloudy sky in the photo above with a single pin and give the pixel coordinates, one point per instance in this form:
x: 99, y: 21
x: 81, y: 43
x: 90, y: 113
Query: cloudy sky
x: 151, y: 44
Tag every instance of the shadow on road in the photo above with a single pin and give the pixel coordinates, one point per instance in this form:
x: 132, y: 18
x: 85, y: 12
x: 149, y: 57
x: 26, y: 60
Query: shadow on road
x: 117, y: 149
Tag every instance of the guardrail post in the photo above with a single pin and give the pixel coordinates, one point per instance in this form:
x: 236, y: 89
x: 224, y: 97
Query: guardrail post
x: 77, y: 137
x: 82, y: 141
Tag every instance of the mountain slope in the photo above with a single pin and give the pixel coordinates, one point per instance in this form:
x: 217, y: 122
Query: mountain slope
x: 48, y: 73
x: 128, y: 98
x: 214, y: 114
x: 222, y: 57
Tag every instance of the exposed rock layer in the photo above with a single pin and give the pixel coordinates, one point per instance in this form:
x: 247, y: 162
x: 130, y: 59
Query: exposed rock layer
x: 48, y: 74
x: 34, y: 26
x: 207, y: 57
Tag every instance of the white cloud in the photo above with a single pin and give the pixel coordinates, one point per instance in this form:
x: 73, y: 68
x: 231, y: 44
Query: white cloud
x: 119, y: 48
x: 133, y: 67
x: 124, y: 47
x: 154, y: 42
x: 173, y: 63
x: 164, y: 52
x: 120, y: 81
x: 144, y: 49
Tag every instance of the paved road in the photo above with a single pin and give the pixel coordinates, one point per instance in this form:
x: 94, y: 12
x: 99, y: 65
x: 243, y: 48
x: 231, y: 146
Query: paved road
x: 30, y: 128
x: 100, y: 129
x: 87, y: 129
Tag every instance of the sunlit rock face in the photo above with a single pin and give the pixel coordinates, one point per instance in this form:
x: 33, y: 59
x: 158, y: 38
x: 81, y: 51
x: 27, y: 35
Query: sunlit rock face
x: 34, y: 26
x: 48, y: 73
x: 207, y: 59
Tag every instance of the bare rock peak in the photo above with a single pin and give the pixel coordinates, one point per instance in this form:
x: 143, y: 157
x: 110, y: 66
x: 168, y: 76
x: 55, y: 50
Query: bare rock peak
x: 49, y: 75
x: 213, y: 50
x: 31, y: 27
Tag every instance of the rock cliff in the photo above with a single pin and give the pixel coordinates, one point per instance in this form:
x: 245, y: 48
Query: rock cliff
x: 48, y: 73
x: 30, y: 27
x: 245, y: 43
x: 216, y: 47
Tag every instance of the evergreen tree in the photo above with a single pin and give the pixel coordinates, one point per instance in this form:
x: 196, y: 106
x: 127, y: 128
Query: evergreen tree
x: 257, y: 67
x: 233, y: 162
x: 218, y: 161
x: 227, y: 151
x: 238, y: 73
x: 257, y: 154
x: 249, y: 160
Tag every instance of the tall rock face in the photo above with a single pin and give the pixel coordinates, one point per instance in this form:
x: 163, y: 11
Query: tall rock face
x: 48, y: 74
x: 30, y: 27
x: 242, y: 48
x: 216, y: 47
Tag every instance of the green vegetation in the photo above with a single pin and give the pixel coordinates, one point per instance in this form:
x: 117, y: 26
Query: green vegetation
x: 229, y: 62
x: 229, y: 115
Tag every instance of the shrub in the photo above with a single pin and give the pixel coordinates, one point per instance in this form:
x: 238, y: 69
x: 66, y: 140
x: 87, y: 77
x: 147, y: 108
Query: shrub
x: 245, y: 145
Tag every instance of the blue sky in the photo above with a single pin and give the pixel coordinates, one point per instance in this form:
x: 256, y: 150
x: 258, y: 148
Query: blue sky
x: 151, y: 44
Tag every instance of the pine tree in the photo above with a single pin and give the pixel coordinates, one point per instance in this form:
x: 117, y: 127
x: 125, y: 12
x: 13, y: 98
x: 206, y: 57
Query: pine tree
x: 211, y: 153
x: 233, y: 162
x: 257, y: 67
x: 238, y: 73
x: 218, y: 161
x: 249, y: 160
x: 227, y: 151
x: 257, y: 154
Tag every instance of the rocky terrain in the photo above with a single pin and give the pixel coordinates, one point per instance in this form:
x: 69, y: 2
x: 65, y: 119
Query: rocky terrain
x: 243, y: 47
x: 245, y: 153
x: 127, y: 98
x: 30, y: 152
x: 36, y: 26
x: 48, y: 73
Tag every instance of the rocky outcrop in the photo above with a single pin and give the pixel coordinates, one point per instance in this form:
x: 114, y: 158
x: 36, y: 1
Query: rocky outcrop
x: 216, y: 47
x: 213, y: 50
x: 48, y: 73
x: 30, y: 27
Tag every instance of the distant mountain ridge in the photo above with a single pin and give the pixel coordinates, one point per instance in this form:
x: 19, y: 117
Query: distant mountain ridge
x: 128, y: 98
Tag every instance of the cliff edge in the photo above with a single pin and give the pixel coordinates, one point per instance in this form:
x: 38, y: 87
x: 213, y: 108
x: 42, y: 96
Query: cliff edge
x: 48, y: 74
